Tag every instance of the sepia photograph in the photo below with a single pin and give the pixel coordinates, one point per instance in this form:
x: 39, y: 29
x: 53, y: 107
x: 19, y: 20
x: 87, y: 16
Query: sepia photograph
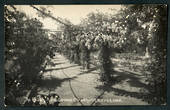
x: 85, y: 55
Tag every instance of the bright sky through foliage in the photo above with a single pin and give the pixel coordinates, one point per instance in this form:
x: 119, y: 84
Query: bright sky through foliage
x: 74, y: 13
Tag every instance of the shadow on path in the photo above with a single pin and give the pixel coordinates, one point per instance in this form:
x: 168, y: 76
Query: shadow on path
x: 53, y: 83
x: 89, y: 70
x: 132, y: 79
x: 121, y: 92
x: 52, y: 69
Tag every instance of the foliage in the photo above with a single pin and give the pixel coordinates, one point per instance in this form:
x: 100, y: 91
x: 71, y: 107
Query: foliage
x: 154, y: 18
x: 26, y: 48
x: 43, y: 100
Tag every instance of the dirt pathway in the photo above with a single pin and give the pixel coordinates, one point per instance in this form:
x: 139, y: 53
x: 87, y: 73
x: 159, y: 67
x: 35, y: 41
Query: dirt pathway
x: 78, y: 88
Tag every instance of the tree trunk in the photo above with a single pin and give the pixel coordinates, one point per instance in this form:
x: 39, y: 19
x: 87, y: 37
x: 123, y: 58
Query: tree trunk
x: 105, y: 62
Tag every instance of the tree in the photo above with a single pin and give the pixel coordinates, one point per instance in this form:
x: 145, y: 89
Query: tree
x: 26, y: 48
x: 97, y: 26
